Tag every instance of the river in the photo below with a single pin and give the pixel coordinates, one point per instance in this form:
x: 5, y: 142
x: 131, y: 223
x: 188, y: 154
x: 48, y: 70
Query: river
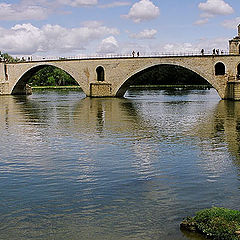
x: 115, y: 169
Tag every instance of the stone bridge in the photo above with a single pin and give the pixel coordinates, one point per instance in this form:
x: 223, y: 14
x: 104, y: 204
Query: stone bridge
x: 111, y: 77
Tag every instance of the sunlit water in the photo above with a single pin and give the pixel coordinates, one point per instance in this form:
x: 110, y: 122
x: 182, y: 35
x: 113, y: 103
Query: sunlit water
x: 115, y: 169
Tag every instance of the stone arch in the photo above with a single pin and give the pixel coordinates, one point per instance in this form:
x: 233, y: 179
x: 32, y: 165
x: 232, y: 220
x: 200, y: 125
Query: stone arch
x: 100, y: 74
x: 20, y: 86
x: 129, y: 81
x: 220, y: 69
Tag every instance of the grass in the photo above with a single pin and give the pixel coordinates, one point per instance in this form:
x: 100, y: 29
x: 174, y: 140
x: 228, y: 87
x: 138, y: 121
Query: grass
x: 215, y: 223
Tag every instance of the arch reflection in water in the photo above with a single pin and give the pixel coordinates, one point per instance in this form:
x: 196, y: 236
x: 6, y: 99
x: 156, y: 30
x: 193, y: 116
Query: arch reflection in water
x: 221, y: 130
x: 117, y: 120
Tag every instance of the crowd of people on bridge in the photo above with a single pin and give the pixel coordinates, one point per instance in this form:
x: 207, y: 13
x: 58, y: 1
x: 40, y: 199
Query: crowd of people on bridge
x: 214, y: 52
x: 133, y: 53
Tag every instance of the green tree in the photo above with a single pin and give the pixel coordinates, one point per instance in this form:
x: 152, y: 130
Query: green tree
x: 7, y: 58
x: 51, y: 76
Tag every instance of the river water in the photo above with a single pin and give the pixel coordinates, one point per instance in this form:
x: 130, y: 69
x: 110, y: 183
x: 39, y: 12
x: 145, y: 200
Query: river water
x: 115, y: 169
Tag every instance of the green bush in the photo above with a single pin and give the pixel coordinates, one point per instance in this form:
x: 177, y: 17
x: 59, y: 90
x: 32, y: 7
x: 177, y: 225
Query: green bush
x: 216, y: 223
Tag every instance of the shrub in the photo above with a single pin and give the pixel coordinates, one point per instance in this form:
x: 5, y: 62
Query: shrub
x: 216, y: 223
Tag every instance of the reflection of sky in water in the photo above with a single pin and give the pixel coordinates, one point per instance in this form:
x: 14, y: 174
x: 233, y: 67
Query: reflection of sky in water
x: 73, y: 167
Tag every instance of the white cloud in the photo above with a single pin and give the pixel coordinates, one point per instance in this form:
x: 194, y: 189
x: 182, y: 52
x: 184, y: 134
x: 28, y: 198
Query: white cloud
x: 38, y: 9
x: 143, y: 10
x: 213, y: 8
x: 145, y: 34
x: 20, y: 39
x: 115, y: 4
x: 216, y: 7
x: 205, y: 43
x: 231, y: 23
x: 108, y: 45
x: 202, y: 21
x: 12, y: 12
x: 78, y: 3
x: 27, y: 39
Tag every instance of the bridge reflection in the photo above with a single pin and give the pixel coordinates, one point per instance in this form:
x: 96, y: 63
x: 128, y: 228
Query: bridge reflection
x: 107, y: 118
x: 220, y: 130
x: 103, y: 116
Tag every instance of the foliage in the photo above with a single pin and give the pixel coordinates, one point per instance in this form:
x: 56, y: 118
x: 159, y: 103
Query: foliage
x: 48, y: 76
x: 7, y: 58
x: 216, y: 223
x: 51, y: 76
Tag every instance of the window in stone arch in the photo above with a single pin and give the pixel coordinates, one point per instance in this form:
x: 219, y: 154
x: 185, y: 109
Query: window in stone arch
x: 238, y: 71
x: 220, y: 69
x: 100, y: 74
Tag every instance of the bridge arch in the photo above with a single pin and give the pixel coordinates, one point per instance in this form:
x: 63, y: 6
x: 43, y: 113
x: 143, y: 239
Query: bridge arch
x: 131, y: 79
x: 19, y: 87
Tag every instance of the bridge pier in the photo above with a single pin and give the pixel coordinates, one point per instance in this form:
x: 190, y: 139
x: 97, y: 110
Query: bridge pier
x: 100, y: 89
x: 233, y: 90
x: 4, y: 85
x: 23, y: 89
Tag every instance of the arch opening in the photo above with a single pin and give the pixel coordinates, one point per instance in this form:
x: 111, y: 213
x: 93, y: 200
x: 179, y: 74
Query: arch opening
x: 100, y: 74
x: 238, y: 71
x: 166, y: 76
x: 220, y: 69
x: 43, y: 75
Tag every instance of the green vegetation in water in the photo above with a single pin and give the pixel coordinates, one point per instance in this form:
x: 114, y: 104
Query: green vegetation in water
x: 215, y: 223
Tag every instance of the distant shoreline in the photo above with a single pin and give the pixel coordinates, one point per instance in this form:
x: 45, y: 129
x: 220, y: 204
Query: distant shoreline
x: 170, y: 86
x: 55, y: 87
x: 132, y: 86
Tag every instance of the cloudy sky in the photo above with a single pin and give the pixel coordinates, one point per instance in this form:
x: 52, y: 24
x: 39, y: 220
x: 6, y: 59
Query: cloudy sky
x: 88, y: 27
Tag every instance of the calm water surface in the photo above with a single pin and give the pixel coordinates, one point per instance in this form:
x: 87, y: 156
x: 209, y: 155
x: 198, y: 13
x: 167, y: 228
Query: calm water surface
x: 115, y: 169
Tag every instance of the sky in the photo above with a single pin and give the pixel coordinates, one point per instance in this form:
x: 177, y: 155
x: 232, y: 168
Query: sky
x: 67, y: 28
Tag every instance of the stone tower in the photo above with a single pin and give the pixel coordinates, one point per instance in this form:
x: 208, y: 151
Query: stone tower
x: 234, y: 44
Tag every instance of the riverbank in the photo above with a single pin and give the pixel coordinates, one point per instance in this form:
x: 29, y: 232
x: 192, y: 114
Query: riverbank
x: 55, y: 87
x: 201, y: 87
x: 177, y: 86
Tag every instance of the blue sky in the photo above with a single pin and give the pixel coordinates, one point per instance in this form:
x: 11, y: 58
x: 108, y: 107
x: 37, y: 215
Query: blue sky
x: 89, y: 27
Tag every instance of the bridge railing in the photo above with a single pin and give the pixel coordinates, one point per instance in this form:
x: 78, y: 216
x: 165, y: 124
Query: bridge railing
x: 109, y: 56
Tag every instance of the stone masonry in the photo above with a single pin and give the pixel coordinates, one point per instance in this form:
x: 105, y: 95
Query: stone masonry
x: 118, y: 72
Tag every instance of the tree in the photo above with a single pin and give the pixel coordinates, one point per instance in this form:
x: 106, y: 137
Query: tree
x: 7, y: 58
x: 51, y: 76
